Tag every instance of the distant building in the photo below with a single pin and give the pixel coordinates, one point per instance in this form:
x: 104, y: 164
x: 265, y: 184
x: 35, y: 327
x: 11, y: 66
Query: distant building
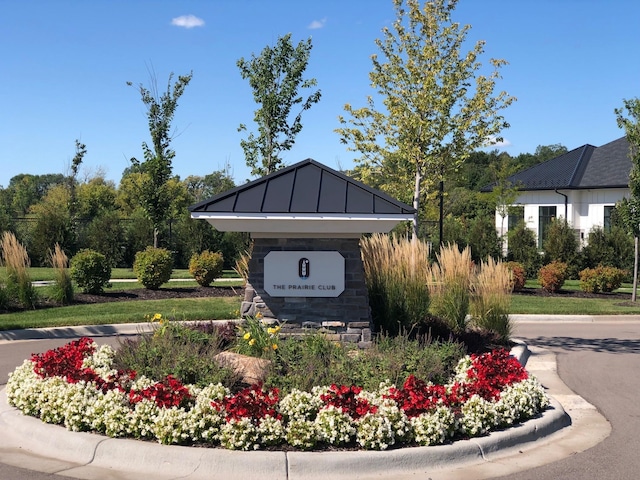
x: 582, y: 186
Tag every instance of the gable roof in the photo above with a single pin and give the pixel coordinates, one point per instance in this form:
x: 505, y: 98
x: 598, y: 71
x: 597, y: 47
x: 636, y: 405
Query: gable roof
x: 586, y: 167
x: 308, y: 187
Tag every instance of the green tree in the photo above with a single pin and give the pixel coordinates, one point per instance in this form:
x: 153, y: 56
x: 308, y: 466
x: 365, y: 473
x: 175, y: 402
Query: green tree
x: 438, y: 108
x: 561, y: 245
x: 628, y: 211
x: 153, y: 193
x: 276, y: 76
x: 51, y: 224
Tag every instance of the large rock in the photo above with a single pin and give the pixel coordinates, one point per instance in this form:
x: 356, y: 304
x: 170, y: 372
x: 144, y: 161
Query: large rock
x: 252, y: 370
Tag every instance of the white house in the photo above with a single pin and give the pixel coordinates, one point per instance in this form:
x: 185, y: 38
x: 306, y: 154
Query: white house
x: 582, y: 186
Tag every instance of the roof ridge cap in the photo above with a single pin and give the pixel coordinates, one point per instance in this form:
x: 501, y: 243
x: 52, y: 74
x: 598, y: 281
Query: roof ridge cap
x: 579, y: 164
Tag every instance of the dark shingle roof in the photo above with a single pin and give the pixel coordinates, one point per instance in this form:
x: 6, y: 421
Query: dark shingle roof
x: 306, y: 187
x: 585, y: 167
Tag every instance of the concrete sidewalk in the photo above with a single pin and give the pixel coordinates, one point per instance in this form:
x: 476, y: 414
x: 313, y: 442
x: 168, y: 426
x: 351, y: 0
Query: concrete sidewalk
x: 570, y: 426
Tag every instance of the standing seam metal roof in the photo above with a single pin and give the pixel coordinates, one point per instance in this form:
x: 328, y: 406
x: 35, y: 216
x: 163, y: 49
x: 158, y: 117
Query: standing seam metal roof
x: 306, y: 187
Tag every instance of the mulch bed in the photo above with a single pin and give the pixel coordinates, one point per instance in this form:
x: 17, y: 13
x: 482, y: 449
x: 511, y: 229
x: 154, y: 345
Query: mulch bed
x: 159, y: 294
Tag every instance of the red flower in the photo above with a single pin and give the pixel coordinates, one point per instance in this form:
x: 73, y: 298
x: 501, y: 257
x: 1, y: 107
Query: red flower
x: 252, y: 402
x: 346, y: 399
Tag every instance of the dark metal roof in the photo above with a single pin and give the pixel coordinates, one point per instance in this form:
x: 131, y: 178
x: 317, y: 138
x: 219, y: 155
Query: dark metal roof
x: 585, y: 167
x: 306, y: 187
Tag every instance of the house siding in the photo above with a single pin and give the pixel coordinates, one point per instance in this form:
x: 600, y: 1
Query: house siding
x: 584, y: 208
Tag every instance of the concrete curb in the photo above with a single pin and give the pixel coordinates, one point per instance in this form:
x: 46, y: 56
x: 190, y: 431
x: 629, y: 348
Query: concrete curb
x: 83, y: 454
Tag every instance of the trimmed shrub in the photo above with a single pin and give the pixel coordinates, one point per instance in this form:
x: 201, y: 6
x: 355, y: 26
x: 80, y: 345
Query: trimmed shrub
x: 205, y: 267
x: 153, y: 267
x: 90, y: 270
x: 552, y: 276
x: 518, y: 275
x: 601, y: 279
x: 561, y: 245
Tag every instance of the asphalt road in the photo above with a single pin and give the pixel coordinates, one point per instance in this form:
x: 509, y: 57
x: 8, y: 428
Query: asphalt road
x: 599, y: 361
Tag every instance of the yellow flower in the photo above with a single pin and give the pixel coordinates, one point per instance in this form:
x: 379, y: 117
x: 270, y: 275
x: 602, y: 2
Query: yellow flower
x: 252, y: 342
x: 157, y: 317
x: 274, y: 346
x: 259, y: 315
x: 247, y: 336
x: 273, y: 330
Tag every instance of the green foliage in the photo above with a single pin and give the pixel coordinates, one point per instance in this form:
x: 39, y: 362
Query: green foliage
x: 396, y: 274
x: 312, y: 359
x: 449, y: 287
x: 186, y: 353
x: 491, y: 299
x: 561, y: 245
x: 613, y: 248
x: 518, y: 275
x: 422, y: 69
x: 256, y: 339
x: 153, y: 267
x: 276, y: 76
x: 90, y: 270
x: 16, y: 261
x: 522, y: 248
x: 601, y: 279
x: 552, y: 276
x: 205, y: 267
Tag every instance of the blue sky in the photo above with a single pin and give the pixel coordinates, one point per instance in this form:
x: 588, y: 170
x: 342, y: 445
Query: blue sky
x: 65, y: 64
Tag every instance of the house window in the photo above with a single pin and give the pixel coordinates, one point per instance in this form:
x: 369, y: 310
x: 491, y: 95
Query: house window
x: 545, y: 217
x: 516, y: 215
x: 608, y: 210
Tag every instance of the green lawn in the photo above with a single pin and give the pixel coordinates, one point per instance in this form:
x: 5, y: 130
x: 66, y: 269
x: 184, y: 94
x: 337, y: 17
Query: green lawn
x: 219, y: 308
x: 227, y: 307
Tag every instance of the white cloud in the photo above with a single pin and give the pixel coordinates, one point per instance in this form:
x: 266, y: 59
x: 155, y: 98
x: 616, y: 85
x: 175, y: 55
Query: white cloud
x: 187, y: 21
x: 316, y: 24
x: 492, y: 142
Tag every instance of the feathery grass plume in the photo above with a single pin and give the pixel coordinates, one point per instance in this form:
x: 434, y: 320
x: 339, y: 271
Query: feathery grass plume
x: 449, y: 286
x: 396, y: 274
x: 491, y: 298
x: 17, y: 263
x: 62, y: 289
x: 242, y: 265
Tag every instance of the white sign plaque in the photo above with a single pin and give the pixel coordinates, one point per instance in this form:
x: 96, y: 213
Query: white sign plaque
x: 303, y: 274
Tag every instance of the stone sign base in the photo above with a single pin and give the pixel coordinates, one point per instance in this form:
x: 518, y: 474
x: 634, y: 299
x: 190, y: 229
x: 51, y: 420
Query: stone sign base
x: 346, y: 317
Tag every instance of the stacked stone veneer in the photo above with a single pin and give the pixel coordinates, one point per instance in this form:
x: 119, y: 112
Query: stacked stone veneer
x: 345, y: 318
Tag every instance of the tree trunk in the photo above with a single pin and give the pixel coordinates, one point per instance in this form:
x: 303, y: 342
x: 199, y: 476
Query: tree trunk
x: 155, y: 238
x: 416, y: 203
x: 635, y: 269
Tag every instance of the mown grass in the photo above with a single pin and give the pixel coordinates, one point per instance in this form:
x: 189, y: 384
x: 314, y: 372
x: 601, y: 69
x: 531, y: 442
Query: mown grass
x: 218, y: 308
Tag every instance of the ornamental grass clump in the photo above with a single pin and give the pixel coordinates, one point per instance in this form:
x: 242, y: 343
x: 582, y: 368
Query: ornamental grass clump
x: 62, y: 288
x: 449, y: 286
x: 396, y: 274
x: 18, y: 282
x: 491, y: 298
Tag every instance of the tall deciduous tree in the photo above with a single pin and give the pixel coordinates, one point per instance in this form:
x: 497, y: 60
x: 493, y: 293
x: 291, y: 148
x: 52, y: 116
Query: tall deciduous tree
x: 437, y: 107
x: 154, y: 194
x: 628, y: 118
x: 276, y: 76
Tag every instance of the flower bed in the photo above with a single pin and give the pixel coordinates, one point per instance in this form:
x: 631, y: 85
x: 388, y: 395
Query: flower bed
x: 76, y: 386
